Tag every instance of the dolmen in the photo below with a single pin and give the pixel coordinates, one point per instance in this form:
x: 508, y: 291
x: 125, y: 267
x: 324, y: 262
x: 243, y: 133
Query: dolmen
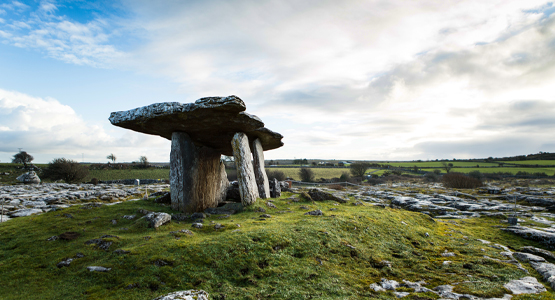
x: 200, y: 133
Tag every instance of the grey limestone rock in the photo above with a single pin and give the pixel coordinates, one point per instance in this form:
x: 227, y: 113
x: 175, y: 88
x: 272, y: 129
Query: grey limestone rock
x: 319, y: 195
x: 29, y: 178
x: 25, y: 212
x: 275, y: 188
x: 197, y: 225
x: 98, y: 269
x: 245, y: 171
x: 315, y: 213
x: 259, y: 171
x: 185, y: 295
x: 376, y: 287
x: 158, y: 219
x: 547, y: 238
x: 389, y: 284
x: 210, y: 122
x: 528, y: 257
x: 525, y: 285
x: 537, y: 251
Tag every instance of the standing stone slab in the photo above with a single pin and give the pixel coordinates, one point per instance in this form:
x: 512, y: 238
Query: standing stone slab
x: 196, y: 181
x: 275, y: 188
x: 259, y: 171
x: 245, y: 172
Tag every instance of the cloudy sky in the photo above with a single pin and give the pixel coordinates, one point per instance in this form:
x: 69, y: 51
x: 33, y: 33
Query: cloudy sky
x: 372, y: 80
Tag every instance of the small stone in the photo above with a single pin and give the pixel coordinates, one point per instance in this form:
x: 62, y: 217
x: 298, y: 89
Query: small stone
x: 528, y: 257
x: 260, y: 209
x: 401, y: 294
x: 114, y: 222
x: 120, y: 251
x: 52, y: 238
x: 64, y: 263
x: 197, y: 225
x: 389, y: 284
x: 98, y: 269
x: 129, y: 217
x: 376, y: 287
x: 198, y: 215
x: 185, y: 295
x: 270, y: 205
x: 315, y: 213
x: 265, y: 216
x: 218, y: 226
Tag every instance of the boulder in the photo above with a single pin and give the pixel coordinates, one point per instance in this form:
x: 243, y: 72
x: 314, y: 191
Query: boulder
x: 29, y: 178
x: 185, y: 295
x: 158, y: 219
x: 319, y: 195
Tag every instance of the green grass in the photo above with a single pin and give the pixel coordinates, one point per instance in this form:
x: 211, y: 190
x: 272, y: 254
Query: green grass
x: 287, y: 256
x: 128, y: 174
x: 318, y: 172
x: 531, y: 162
x: 512, y: 170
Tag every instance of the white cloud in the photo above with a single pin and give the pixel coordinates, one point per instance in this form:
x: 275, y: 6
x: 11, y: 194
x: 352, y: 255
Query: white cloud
x: 62, y: 38
x: 50, y: 129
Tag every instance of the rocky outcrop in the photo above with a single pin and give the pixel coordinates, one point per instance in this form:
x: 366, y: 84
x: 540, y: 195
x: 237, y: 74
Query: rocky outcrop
x: 29, y: 178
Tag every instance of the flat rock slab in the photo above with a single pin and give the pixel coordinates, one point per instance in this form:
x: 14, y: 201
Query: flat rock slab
x: 210, y: 122
x: 526, y: 285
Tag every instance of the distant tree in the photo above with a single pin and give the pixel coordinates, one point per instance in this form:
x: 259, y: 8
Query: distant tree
x: 415, y: 169
x: 143, y: 161
x: 65, y: 169
x: 22, y: 158
x: 359, y: 168
x: 306, y: 175
x: 447, y: 166
x: 437, y: 171
x: 111, y: 157
x: 314, y: 163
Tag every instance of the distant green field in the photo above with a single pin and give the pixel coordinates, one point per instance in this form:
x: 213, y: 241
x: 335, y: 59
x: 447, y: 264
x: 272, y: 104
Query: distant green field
x: 548, y: 171
x: 425, y: 164
x: 531, y: 162
x: 318, y: 172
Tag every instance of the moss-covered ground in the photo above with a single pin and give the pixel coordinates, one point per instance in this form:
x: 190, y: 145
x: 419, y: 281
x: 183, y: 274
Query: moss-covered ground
x: 287, y: 256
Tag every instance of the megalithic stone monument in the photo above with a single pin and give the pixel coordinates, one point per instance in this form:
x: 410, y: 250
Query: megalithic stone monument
x: 200, y: 133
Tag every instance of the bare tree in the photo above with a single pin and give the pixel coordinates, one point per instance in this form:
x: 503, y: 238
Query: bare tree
x: 111, y: 157
x: 22, y: 158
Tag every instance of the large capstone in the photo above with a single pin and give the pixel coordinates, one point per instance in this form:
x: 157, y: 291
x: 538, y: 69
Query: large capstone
x: 210, y: 122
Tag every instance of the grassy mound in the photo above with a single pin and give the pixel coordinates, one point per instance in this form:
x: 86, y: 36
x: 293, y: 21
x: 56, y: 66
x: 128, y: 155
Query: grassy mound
x: 287, y: 256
